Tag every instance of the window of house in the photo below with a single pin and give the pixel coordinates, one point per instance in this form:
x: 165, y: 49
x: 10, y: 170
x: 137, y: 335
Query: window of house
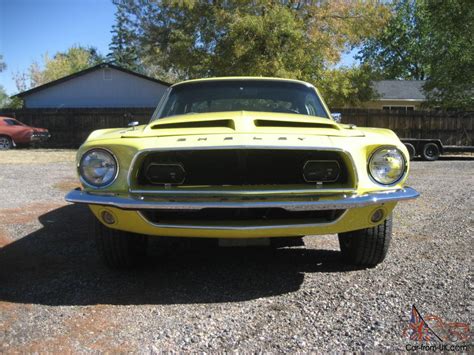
x: 399, y: 108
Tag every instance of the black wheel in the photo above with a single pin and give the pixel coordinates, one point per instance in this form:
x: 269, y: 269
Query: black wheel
x: 430, y: 151
x: 119, y: 250
x: 411, y: 150
x: 366, y: 247
x: 5, y: 143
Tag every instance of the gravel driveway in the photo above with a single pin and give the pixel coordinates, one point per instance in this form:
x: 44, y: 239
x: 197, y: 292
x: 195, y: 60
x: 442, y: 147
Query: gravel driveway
x: 56, y: 295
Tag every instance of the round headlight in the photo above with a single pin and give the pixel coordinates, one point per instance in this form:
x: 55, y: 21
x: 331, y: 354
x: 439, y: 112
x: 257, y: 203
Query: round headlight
x: 98, y: 168
x: 387, y: 165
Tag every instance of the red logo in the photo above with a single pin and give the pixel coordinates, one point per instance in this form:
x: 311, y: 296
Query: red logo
x: 437, y: 329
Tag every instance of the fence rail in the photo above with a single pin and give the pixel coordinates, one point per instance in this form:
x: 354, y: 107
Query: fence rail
x: 70, y: 127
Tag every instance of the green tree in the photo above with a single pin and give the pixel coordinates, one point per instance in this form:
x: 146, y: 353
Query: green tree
x: 5, y: 100
x: 3, y: 66
x: 399, y: 50
x: 294, y: 39
x: 450, y: 53
x: 75, y: 59
x: 428, y: 40
x: 123, y: 51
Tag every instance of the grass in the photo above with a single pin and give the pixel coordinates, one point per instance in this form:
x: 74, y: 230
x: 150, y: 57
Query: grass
x: 37, y: 156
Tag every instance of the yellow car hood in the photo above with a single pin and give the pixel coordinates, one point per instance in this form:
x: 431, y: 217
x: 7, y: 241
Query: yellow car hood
x: 240, y: 122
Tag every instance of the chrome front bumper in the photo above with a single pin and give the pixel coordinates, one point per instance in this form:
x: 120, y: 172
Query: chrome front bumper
x: 308, y: 203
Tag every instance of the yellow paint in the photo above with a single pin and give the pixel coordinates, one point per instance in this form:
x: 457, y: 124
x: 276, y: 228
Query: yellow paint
x: 132, y: 221
x: 358, y: 142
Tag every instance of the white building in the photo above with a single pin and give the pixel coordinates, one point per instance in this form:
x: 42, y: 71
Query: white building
x: 102, y: 86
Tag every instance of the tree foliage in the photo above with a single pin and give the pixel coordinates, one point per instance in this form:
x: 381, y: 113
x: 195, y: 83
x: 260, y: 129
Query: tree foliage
x: 3, y: 66
x: 398, y: 51
x: 75, y: 59
x: 5, y: 100
x: 294, y: 39
x: 122, y: 52
x: 450, y: 53
x: 428, y: 40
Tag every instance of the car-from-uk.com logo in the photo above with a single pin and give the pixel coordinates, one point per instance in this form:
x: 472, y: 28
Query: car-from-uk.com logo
x: 432, y: 333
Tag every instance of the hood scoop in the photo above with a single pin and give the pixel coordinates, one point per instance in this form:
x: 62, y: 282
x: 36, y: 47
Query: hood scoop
x: 295, y: 124
x: 196, y: 124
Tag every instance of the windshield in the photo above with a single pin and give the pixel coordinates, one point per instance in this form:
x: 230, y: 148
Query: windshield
x: 240, y: 95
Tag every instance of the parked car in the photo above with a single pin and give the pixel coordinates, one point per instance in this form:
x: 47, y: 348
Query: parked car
x: 242, y: 158
x: 13, y: 132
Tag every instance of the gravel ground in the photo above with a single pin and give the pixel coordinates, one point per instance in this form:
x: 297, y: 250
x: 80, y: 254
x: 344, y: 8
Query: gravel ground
x: 56, y: 295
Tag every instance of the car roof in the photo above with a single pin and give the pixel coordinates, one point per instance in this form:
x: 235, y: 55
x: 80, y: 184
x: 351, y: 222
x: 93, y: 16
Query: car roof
x: 243, y: 78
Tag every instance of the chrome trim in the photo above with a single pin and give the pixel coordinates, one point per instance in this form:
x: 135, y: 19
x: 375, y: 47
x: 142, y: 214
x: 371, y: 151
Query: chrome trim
x: 278, y: 147
x: 309, y: 203
x: 243, y: 192
x: 84, y: 182
x: 240, y: 228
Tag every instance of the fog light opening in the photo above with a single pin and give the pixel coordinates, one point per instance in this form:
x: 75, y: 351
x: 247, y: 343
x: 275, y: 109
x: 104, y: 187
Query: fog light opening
x: 108, y: 217
x: 377, y: 215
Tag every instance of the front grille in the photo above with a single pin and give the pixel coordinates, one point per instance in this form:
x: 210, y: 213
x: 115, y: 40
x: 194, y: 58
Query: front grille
x: 41, y: 134
x: 228, y: 167
x: 241, y: 214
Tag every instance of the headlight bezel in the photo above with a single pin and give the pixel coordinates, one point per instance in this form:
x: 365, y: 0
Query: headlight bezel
x: 87, y: 183
x: 404, y: 163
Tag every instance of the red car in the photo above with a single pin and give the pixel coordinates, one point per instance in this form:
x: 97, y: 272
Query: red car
x: 13, y: 132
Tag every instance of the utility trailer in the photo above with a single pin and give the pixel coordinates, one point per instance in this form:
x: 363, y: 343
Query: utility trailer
x: 426, y: 133
x: 431, y: 149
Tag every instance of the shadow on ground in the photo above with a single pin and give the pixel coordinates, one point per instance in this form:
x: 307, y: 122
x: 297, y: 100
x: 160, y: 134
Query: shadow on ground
x: 58, y: 265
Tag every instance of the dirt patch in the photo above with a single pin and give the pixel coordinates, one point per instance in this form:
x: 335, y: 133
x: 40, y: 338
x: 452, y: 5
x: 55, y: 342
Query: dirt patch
x: 37, y: 156
x: 4, y: 238
x: 28, y: 213
x: 91, y: 329
x: 67, y: 185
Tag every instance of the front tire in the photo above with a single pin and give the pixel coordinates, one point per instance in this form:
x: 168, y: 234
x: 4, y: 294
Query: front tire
x: 118, y: 249
x: 366, y: 247
x: 5, y: 143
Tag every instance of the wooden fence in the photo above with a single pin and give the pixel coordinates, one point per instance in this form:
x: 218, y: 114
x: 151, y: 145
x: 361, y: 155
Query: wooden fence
x: 453, y: 128
x: 70, y: 127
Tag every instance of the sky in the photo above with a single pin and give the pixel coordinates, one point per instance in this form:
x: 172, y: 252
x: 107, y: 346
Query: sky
x: 31, y: 28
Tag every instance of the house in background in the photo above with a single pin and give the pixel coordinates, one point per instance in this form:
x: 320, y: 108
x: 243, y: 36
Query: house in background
x: 398, y: 95
x: 102, y: 86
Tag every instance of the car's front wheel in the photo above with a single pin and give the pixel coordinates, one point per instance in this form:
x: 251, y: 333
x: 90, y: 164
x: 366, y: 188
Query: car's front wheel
x: 5, y: 143
x: 118, y: 249
x: 366, y: 247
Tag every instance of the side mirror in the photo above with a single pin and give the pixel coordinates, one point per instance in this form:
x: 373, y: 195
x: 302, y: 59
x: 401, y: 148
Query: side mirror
x: 336, y: 116
x: 133, y: 124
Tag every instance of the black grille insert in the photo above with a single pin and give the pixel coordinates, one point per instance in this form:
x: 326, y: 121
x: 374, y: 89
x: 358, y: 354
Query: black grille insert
x: 242, y: 166
x: 241, y: 214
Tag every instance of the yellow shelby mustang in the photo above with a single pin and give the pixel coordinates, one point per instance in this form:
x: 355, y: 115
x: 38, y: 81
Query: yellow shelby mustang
x: 242, y: 157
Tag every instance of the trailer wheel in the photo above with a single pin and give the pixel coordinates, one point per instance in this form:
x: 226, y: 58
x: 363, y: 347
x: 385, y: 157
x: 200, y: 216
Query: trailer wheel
x: 430, y: 152
x: 411, y: 150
